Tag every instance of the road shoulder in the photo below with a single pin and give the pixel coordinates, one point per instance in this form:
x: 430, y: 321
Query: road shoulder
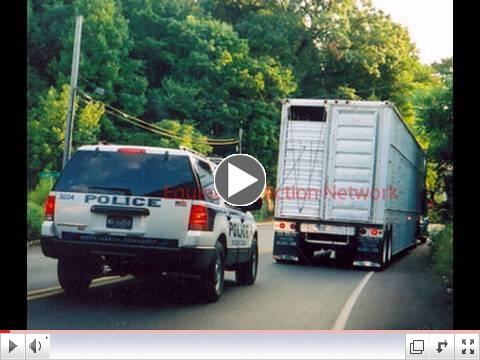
x: 408, y: 295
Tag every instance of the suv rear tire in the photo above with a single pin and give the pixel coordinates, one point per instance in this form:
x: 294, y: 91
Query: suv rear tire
x: 247, y: 273
x: 74, y: 275
x: 213, y: 279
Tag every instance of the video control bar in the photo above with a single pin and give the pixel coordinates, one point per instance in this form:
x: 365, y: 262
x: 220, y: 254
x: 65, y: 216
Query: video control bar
x: 356, y: 345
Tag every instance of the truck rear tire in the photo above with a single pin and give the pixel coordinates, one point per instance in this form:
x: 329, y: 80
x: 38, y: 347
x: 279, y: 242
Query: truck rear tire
x: 213, y: 279
x: 74, y: 275
x: 247, y: 273
x: 390, y: 249
x: 384, y: 258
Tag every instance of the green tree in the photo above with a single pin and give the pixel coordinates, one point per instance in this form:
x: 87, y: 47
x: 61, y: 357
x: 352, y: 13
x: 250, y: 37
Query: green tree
x: 182, y: 134
x: 204, y: 74
x: 273, y: 28
x: 35, y: 207
x: 434, y: 108
x: 105, y: 60
x: 46, y: 131
x: 361, y: 50
x: 36, y: 82
x: 186, y: 135
x: 337, y: 49
x: 47, y: 24
x: 215, y: 66
x: 444, y: 68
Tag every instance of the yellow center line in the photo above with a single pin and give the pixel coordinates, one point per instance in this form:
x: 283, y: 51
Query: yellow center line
x: 55, y: 290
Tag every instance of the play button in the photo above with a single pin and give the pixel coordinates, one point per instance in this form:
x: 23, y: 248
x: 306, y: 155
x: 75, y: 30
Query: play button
x: 240, y: 179
x: 11, y: 346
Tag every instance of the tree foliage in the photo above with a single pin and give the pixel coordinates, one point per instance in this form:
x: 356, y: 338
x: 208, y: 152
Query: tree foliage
x: 46, y: 130
x: 434, y: 107
x: 184, y: 134
x: 209, y: 68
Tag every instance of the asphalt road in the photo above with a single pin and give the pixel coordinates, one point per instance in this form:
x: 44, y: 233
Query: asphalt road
x: 408, y: 295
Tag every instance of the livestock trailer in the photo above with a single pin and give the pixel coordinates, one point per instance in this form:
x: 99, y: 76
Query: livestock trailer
x: 350, y: 179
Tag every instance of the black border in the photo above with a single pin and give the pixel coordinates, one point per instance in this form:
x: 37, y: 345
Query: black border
x: 466, y: 275
x: 13, y: 308
x: 13, y: 260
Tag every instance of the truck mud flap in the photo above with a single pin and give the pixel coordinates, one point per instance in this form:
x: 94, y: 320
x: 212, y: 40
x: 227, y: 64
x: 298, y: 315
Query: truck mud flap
x: 369, y: 252
x: 286, y: 246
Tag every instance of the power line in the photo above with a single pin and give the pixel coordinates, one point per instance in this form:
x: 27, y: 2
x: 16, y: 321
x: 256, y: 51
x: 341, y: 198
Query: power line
x: 123, y: 116
x: 166, y: 132
x: 151, y: 127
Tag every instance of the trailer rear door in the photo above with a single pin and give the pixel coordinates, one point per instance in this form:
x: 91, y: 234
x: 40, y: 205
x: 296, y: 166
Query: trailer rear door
x: 351, y: 166
x: 302, y: 158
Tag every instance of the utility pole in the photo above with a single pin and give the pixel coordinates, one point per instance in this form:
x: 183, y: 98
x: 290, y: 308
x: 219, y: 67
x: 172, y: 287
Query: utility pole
x: 240, y: 135
x: 67, y: 149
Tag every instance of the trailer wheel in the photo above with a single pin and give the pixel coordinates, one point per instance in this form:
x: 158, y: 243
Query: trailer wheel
x: 390, y: 249
x: 383, y: 259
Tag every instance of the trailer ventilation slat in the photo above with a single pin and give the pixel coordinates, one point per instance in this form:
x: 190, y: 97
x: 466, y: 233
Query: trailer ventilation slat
x: 352, y: 163
x: 302, y: 168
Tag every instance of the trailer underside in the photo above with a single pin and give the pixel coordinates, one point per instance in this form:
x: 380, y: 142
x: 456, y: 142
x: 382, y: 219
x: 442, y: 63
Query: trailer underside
x: 361, y: 245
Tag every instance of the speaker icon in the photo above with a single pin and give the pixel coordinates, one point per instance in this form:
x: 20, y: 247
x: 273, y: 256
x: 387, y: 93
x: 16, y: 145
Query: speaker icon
x: 35, y: 346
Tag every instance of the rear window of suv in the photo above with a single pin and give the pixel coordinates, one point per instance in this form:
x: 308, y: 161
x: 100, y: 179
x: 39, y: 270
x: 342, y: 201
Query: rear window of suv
x: 138, y: 174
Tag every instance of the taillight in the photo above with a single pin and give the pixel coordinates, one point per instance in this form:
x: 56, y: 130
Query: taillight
x: 285, y: 226
x: 131, y: 151
x: 50, y: 208
x: 373, y: 232
x: 198, y: 218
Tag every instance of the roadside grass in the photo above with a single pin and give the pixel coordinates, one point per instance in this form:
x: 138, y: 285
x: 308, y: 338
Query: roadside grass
x: 34, y: 220
x: 442, y: 253
x: 35, y: 208
x: 263, y: 214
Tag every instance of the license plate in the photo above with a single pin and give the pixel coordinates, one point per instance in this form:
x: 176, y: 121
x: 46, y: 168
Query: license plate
x: 119, y: 222
x: 327, y: 229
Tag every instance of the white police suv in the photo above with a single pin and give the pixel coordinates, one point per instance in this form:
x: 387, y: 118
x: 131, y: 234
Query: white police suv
x: 146, y: 211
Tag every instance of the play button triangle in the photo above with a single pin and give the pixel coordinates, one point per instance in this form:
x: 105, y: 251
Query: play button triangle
x: 238, y: 180
x: 11, y: 346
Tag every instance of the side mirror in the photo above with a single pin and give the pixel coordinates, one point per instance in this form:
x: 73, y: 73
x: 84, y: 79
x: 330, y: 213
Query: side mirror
x: 257, y: 205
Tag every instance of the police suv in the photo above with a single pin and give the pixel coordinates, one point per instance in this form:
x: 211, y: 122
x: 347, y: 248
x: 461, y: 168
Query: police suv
x: 146, y: 211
